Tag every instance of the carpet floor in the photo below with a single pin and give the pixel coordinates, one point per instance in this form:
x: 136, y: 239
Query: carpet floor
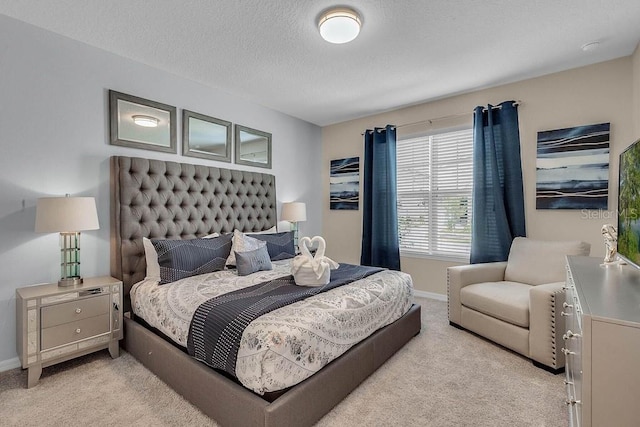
x: 443, y: 377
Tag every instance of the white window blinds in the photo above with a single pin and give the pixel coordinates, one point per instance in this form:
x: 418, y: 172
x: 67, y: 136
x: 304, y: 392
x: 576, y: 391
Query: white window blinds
x: 435, y: 175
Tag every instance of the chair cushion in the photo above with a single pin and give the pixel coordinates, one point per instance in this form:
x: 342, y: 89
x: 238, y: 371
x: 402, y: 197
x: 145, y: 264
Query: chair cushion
x: 507, y: 301
x: 536, y: 262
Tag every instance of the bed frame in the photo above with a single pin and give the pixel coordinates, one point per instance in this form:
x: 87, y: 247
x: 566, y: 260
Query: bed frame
x: 161, y: 199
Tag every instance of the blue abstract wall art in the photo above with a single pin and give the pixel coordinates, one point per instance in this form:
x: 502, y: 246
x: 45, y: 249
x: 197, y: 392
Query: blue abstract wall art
x: 344, y: 184
x: 572, y: 168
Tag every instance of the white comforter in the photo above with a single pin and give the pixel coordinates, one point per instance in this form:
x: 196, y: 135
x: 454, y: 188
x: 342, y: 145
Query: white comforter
x: 287, y: 345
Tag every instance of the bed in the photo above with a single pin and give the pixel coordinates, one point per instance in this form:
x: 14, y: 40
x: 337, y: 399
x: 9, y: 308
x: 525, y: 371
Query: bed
x: 169, y: 200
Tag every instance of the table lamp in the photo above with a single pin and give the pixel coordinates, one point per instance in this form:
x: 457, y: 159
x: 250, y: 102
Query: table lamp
x: 68, y: 216
x: 294, y: 212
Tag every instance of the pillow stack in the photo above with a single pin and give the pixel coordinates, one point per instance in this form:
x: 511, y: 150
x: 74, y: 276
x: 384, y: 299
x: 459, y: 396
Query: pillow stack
x: 171, y: 260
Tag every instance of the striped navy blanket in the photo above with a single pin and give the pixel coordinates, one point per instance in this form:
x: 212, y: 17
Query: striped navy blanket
x: 217, y: 325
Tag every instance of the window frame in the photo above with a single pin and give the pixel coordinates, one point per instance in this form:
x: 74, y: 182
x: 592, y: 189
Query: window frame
x: 432, y: 223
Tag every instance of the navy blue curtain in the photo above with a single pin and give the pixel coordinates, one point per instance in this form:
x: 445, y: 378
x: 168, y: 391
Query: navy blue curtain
x: 498, y: 199
x: 380, y: 243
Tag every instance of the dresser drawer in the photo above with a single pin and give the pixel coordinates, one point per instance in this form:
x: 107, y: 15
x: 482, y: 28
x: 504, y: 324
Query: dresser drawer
x: 75, y: 331
x: 72, y: 311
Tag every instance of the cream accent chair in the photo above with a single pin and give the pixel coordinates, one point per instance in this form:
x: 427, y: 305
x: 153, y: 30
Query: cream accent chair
x: 516, y: 303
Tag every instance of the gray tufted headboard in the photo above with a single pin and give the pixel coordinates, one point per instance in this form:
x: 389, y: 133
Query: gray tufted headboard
x: 169, y: 200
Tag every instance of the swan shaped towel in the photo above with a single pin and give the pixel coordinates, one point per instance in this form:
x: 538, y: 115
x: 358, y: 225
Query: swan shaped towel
x: 308, y: 270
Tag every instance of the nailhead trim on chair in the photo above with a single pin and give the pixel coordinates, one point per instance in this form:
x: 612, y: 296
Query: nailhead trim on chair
x: 553, y: 329
x: 448, y: 295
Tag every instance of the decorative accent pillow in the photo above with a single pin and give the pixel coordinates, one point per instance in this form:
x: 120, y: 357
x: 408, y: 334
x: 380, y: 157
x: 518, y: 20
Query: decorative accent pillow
x: 151, y: 256
x: 185, y: 258
x: 279, y: 245
x: 242, y: 243
x: 251, y: 261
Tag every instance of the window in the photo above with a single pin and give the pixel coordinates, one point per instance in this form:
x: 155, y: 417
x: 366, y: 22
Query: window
x: 435, y: 175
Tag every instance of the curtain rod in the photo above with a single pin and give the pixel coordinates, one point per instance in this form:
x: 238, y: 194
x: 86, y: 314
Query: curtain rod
x: 450, y: 116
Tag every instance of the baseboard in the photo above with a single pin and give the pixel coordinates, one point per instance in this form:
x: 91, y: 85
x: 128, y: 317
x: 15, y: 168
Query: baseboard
x: 430, y: 295
x: 9, y: 364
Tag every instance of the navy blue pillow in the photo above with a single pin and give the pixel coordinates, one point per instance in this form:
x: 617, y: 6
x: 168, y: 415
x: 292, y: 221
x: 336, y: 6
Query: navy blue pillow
x: 279, y: 245
x: 185, y: 258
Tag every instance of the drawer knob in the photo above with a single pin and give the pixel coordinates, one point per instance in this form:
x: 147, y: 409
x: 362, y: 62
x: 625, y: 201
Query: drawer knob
x: 566, y: 351
x: 570, y: 335
x: 78, y: 331
x: 78, y: 310
x: 565, y: 305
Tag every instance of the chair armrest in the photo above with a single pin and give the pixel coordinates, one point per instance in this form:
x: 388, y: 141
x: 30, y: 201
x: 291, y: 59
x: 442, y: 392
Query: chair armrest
x: 462, y: 275
x: 546, y: 325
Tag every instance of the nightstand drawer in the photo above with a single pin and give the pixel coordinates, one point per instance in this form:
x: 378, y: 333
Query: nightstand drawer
x: 74, y: 331
x: 74, y: 310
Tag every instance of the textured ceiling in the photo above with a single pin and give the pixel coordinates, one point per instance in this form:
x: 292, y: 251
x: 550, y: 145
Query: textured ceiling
x: 409, y: 51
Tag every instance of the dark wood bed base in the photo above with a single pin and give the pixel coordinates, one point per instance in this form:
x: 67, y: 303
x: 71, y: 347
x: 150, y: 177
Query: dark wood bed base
x: 141, y: 189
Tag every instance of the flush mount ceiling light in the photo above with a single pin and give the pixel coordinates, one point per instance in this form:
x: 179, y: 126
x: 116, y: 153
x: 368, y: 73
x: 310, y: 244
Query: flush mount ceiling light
x: 146, y: 121
x: 590, y: 46
x: 340, y: 25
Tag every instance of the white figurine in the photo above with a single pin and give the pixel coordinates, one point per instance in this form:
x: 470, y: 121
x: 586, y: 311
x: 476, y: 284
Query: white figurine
x: 610, y: 236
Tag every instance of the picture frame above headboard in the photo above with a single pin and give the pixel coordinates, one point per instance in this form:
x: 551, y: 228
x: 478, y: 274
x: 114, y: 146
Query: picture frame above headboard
x: 136, y: 122
x: 205, y: 137
x: 252, y: 147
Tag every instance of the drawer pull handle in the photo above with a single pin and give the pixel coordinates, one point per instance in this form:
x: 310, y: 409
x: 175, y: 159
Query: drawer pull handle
x: 572, y: 402
x: 78, y: 331
x: 78, y: 310
x: 567, y: 382
x: 570, y: 335
x: 562, y: 313
x: 566, y: 351
x: 565, y: 305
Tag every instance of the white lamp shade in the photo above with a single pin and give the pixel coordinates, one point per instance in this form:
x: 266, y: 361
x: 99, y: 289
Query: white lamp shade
x: 294, y: 212
x: 339, y: 25
x: 66, y: 214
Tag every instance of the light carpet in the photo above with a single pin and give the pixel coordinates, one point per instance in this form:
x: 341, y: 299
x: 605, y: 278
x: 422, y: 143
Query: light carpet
x: 443, y: 377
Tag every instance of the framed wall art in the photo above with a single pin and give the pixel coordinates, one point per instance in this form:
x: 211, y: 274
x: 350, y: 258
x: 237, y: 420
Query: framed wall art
x: 141, y: 123
x: 572, y: 168
x: 205, y: 137
x: 252, y: 147
x: 344, y: 184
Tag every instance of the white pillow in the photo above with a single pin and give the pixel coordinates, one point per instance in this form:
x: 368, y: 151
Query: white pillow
x: 242, y: 243
x: 151, y: 256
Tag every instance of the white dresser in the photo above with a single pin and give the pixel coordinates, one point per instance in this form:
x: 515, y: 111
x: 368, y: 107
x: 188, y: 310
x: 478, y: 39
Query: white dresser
x: 602, y: 343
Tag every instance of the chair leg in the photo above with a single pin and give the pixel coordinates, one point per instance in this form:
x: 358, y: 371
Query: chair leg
x: 455, y: 325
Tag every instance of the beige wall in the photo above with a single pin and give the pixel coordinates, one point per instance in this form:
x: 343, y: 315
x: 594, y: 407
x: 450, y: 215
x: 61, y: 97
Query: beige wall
x: 594, y: 94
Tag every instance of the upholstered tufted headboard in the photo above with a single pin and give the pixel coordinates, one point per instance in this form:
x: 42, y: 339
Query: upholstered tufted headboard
x: 168, y: 200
